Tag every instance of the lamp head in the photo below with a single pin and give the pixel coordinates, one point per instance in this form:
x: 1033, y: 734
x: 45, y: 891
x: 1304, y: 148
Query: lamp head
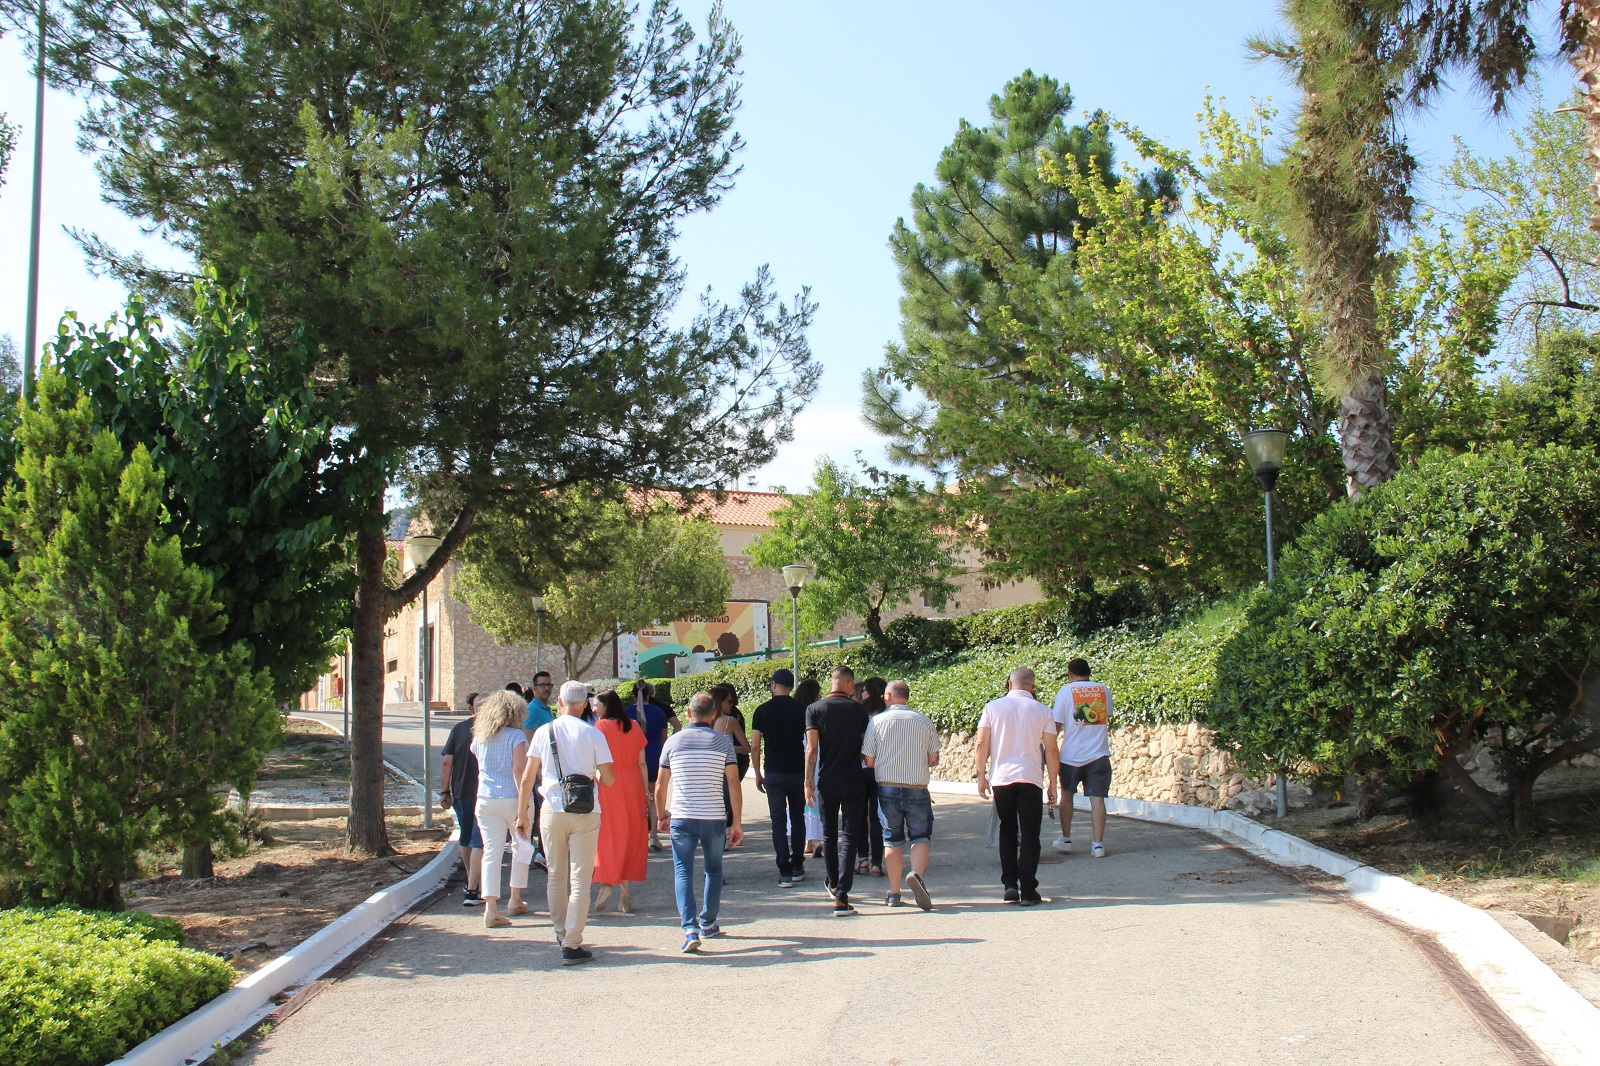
x: 1264, y: 450
x: 538, y: 603
x: 795, y: 575
x: 420, y: 548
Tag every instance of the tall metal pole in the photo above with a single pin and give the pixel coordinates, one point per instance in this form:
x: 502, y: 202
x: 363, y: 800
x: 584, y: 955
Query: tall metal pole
x: 794, y: 595
x: 346, y: 700
x: 31, y: 332
x: 538, y: 641
x: 427, y: 717
x: 1283, y: 778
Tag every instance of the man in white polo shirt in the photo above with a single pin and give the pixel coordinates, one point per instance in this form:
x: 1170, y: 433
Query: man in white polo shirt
x: 901, y: 745
x: 1018, y: 762
x: 567, y: 747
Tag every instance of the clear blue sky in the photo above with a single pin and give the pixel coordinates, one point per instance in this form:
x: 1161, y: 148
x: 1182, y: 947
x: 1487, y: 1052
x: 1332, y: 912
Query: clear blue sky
x: 846, y: 107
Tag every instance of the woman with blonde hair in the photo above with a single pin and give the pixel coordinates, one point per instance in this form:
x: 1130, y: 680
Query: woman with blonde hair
x: 502, y: 750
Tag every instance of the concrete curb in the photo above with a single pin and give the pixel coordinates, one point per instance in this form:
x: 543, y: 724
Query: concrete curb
x: 193, y: 1038
x: 1564, y: 1025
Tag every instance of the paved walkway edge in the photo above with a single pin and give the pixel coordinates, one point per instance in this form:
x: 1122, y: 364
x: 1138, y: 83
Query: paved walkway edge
x: 334, y: 812
x: 1564, y: 1025
x: 235, y: 1011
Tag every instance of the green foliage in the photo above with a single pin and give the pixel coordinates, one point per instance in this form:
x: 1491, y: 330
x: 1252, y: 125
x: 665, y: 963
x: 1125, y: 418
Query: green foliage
x: 79, y: 989
x: 1555, y: 396
x: 117, y: 725
x: 1459, y: 602
x: 602, y: 566
x: 261, y: 489
x: 1159, y: 672
x: 871, y: 546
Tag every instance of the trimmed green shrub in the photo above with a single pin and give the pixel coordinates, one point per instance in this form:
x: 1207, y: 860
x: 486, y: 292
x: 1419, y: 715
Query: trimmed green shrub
x: 1459, y: 601
x: 79, y: 988
x: 1159, y: 673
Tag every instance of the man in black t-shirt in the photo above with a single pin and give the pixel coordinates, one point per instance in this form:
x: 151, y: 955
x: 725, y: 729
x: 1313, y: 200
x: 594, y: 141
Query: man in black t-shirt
x: 779, y: 727
x: 835, y: 726
x: 458, y: 787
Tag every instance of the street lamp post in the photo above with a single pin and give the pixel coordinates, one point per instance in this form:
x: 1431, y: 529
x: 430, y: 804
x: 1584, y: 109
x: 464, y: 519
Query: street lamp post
x: 421, y: 548
x: 538, y: 629
x: 30, y: 337
x: 795, y: 575
x: 1265, y: 449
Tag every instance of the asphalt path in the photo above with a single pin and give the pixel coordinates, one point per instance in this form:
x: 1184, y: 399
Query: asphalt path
x: 402, y: 736
x: 1173, y: 949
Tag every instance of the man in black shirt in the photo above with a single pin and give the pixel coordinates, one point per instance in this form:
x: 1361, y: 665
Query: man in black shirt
x: 835, y: 726
x: 780, y: 725
x: 458, y: 774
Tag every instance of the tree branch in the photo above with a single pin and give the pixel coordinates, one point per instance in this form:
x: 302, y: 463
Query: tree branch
x: 412, y: 586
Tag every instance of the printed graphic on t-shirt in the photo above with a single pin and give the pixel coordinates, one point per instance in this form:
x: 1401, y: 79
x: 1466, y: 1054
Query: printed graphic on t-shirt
x: 1089, y: 705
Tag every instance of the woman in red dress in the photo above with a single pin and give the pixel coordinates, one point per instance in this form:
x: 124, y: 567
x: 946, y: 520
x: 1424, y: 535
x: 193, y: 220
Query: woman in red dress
x: 623, y: 851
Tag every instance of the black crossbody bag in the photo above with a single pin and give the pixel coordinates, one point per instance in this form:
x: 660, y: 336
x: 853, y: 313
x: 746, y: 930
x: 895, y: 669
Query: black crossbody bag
x: 577, y: 791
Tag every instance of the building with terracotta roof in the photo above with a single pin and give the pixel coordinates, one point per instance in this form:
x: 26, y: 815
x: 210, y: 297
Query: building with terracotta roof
x: 467, y: 659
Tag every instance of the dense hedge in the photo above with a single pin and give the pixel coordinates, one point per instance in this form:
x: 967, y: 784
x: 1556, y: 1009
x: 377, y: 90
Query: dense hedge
x: 1158, y: 672
x: 79, y: 988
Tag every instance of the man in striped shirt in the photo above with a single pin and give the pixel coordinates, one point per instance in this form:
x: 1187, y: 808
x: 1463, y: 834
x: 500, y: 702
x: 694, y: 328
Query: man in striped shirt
x: 696, y: 764
x: 901, y: 746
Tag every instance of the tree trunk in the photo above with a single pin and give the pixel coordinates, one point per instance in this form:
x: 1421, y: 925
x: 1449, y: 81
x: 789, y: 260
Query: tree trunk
x: 1583, y: 28
x: 875, y: 626
x: 365, y: 831
x: 198, y: 861
x: 1522, y: 809
x: 1365, y: 437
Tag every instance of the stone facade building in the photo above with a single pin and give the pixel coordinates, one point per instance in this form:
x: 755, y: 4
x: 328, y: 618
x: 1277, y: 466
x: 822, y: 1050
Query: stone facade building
x: 467, y: 659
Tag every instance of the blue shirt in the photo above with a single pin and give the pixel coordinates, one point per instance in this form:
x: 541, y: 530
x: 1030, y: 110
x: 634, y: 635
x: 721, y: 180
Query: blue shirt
x: 655, y: 734
x: 538, y: 714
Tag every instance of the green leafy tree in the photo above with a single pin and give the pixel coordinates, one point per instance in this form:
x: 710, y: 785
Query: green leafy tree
x: 117, y: 724
x: 872, y: 545
x: 472, y: 207
x: 1458, y: 603
x: 992, y: 213
x: 602, y: 568
x: 260, y: 487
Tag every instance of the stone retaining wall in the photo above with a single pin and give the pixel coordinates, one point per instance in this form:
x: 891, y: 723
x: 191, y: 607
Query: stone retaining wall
x: 1172, y: 764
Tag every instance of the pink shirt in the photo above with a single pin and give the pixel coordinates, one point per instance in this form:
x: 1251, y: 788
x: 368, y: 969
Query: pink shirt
x: 1018, y: 726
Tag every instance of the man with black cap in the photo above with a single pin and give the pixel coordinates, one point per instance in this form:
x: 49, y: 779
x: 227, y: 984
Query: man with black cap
x: 780, y: 724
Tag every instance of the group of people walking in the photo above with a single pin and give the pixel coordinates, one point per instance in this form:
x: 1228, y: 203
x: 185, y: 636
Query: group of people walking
x: 583, y: 788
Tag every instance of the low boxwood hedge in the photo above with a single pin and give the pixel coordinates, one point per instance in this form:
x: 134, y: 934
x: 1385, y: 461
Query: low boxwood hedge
x: 1160, y: 671
x: 79, y: 988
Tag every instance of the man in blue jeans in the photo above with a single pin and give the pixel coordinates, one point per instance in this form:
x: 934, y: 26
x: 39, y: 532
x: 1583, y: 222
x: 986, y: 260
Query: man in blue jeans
x: 779, y: 730
x: 695, y: 765
x: 901, y: 746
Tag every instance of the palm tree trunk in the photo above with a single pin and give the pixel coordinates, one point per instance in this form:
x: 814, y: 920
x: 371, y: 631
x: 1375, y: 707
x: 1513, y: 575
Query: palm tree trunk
x: 1583, y: 31
x: 1365, y: 437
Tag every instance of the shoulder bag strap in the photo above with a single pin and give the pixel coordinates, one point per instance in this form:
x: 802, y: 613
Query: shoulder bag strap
x: 555, y: 752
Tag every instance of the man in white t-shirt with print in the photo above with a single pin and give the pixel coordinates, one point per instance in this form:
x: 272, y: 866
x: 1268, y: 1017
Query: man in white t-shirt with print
x: 569, y: 839
x: 1082, y: 715
x: 1018, y: 763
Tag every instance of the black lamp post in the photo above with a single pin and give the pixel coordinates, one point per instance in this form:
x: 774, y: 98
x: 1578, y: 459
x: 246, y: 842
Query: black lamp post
x: 1264, y: 449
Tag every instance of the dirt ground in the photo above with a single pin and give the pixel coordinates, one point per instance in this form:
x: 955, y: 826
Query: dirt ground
x: 292, y: 882
x: 1551, y: 878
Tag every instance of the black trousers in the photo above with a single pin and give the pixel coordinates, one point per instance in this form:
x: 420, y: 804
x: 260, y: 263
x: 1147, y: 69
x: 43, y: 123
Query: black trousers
x: 844, y: 830
x: 786, y: 803
x: 1021, y: 811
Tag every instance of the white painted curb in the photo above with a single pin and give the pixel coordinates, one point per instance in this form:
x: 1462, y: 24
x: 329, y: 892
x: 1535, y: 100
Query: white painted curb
x: 1564, y: 1025
x: 241, y: 1007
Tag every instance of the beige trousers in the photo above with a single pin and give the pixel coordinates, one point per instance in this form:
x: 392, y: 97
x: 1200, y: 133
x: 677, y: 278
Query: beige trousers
x: 569, y: 845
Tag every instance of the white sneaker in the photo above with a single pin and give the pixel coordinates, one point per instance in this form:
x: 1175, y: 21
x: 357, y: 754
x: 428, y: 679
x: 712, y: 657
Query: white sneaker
x: 1062, y: 844
x: 1097, y: 850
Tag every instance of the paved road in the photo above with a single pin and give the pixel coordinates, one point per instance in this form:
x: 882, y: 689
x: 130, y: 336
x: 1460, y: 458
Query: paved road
x: 402, y: 736
x: 1175, y: 949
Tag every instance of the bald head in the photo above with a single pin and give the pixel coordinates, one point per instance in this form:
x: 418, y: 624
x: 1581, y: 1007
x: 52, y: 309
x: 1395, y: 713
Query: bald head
x: 1022, y: 677
x: 898, y: 693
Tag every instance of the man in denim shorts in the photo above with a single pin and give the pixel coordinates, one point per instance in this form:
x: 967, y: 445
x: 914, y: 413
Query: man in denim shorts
x: 901, y: 745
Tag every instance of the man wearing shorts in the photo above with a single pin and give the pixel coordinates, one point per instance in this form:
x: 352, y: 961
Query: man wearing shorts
x: 1083, y: 719
x: 901, y: 745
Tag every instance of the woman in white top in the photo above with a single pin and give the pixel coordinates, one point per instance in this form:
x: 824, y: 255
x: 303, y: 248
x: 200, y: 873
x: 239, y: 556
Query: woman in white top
x: 502, y: 750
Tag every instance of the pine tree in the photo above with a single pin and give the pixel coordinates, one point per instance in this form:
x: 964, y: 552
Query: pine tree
x: 116, y: 725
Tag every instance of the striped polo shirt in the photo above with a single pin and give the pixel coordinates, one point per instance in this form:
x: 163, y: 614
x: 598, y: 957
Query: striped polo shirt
x: 697, y: 757
x: 899, y: 742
